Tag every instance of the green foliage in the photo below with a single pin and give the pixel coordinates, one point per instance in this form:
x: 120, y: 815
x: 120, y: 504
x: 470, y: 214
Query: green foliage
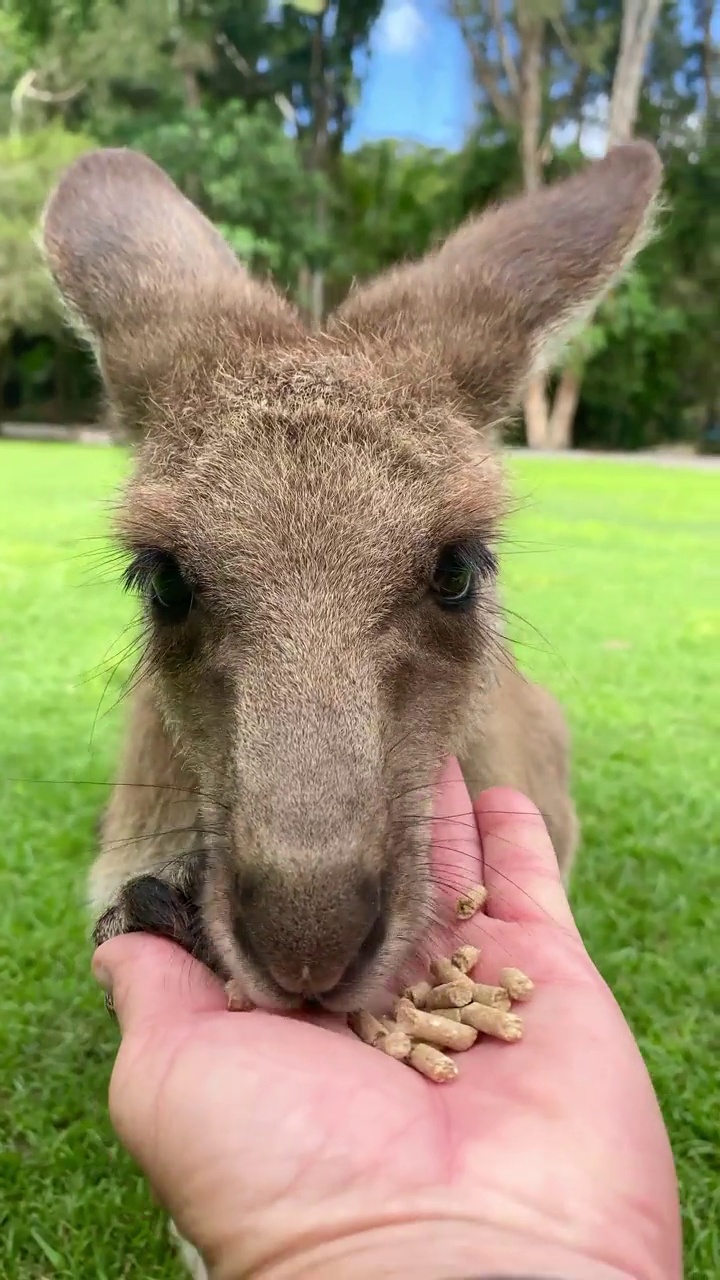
x: 394, y: 201
x: 631, y: 314
x: 313, y: 7
x: 247, y: 106
x: 656, y: 375
x: 249, y: 177
x: 29, y: 165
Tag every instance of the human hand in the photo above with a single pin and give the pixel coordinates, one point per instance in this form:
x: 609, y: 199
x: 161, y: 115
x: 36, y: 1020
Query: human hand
x: 286, y: 1148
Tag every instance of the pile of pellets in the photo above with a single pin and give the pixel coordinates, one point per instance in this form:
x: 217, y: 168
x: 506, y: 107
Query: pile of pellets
x: 448, y: 1013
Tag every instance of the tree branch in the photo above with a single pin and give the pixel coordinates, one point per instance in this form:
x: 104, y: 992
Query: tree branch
x: 638, y: 20
x: 485, y: 73
x: 241, y: 64
x: 26, y: 88
x: 511, y: 72
x: 564, y: 40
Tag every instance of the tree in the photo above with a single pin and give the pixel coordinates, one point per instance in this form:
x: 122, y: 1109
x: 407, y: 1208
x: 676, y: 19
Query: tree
x: 143, y: 64
x: 234, y: 107
x: 534, y: 62
x: 29, y: 166
x: 248, y: 176
x: 320, y: 40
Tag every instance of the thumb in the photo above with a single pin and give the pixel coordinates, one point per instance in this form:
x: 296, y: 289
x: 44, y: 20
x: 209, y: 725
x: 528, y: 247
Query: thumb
x: 455, y: 847
x: 153, y: 980
x: 521, y: 869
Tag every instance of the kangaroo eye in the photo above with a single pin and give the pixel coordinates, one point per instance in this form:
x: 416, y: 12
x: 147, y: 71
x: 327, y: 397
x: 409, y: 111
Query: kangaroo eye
x: 171, y: 595
x: 453, y: 579
x: 158, y: 576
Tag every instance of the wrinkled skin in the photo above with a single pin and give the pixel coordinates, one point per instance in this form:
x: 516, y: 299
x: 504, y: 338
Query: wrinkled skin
x: 284, y: 1147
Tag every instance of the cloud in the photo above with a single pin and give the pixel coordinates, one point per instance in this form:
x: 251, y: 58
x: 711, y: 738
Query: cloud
x: 593, y: 135
x: 592, y: 139
x: 400, y: 27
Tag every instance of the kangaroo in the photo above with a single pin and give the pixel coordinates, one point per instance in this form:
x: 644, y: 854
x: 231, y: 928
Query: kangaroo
x: 313, y: 529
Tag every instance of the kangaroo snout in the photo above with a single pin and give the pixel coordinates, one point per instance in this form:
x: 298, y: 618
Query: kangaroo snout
x: 310, y: 933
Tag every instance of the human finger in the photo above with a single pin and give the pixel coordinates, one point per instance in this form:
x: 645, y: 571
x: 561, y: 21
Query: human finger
x: 152, y: 979
x: 521, y: 869
x: 455, y: 846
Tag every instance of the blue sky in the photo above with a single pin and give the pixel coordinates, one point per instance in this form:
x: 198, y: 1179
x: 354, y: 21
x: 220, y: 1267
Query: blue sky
x: 417, y: 83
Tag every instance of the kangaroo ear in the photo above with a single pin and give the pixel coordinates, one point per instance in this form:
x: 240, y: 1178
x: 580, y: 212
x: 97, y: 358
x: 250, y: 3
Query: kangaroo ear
x: 498, y: 299
x: 144, y: 274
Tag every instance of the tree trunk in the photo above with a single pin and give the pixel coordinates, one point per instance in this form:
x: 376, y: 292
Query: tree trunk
x: 564, y: 408
x: 531, y: 29
x: 537, y: 416
x: 520, y: 103
x: 319, y: 91
x: 185, y: 63
x: 638, y: 22
x: 304, y: 289
x: 705, y: 13
x: 639, y: 18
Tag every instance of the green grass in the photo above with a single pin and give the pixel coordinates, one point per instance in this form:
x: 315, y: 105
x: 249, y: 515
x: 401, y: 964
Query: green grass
x: 617, y: 568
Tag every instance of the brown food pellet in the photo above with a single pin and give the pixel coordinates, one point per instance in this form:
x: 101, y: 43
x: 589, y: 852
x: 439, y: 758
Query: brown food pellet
x: 495, y: 997
x: 448, y: 1013
x: 445, y: 971
x: 418, y: 993
x: 493, y: 1022
x: 433, y: 1063
x: 396, y: 1044
x: 431, y: 1028
x: 465, y: 958
x: 450, y: 995
x: 384, y: 1035
x: 366, y: 1026
x: 517, y: 984
x: 471, y: 902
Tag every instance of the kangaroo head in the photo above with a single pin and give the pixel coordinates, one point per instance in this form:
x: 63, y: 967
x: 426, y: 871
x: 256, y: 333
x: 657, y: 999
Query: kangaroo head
x: 312, y: 526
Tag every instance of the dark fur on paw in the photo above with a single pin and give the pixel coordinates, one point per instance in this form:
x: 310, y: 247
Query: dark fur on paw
x: 150, y: 905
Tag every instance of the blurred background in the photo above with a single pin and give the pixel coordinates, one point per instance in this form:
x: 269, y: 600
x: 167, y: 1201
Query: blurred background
x: 327, y: 140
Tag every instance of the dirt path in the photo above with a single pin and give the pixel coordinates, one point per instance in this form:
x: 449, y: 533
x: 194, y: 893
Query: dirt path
x: 654, y: 457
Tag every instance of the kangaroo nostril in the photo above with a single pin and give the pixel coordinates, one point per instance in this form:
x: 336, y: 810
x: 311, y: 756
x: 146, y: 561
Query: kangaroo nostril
x: 373, y: 940
x: 370, y: 894
x: 308, y: 939
x: 366, y: 953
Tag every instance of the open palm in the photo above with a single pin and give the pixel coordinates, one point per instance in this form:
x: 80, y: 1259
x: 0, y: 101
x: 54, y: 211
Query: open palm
x: 275, y: 1140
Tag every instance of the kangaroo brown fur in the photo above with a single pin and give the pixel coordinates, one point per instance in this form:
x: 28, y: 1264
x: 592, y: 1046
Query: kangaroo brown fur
x: 302, y: 491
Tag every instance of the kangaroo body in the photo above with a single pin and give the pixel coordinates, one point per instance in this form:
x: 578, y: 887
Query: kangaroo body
x: 314, y: 529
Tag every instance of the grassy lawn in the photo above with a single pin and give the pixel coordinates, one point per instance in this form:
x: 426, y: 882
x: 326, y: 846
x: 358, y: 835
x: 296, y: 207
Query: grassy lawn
x: 618, y: 568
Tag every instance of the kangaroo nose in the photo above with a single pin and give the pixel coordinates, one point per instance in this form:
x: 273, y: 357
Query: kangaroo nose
x: 310, y: 940
x: 321, y: 978
x: 306, y: 980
